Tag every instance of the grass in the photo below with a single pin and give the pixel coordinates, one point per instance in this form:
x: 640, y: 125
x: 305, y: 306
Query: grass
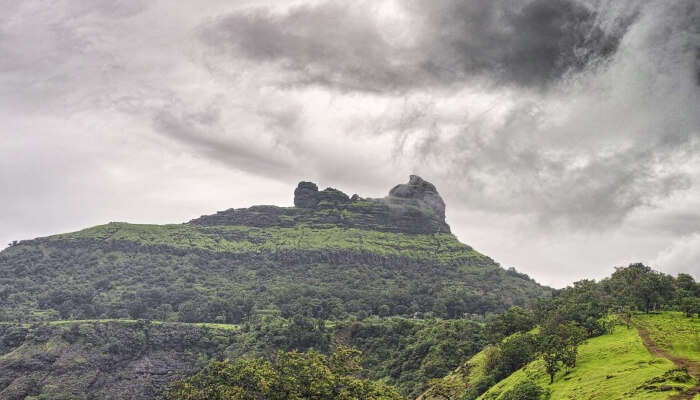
x: 209, y: 325
x: 610, y: 367
x: 674, y: 332
x: 244, y: 239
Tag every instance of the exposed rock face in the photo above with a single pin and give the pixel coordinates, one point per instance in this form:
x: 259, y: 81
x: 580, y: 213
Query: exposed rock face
x: 102, y: 360
x: 306, y: 195
x: 415, y: 207
x: 419, y: 193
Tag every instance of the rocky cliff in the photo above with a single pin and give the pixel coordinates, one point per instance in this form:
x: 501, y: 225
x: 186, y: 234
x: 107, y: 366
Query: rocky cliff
x: 415, y: 207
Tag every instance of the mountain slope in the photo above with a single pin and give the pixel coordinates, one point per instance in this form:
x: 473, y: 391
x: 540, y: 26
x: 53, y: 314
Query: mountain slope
x: 611, y: 366
x: 329, y: 257
x: 103, y: 359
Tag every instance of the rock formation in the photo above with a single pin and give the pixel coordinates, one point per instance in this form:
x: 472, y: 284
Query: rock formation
x: 415, y: 207
x: 419, y: 193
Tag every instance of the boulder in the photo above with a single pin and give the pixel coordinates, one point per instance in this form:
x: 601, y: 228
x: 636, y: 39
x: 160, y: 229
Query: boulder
x: 306, y: 195
x: 420, y: 193
x: 330, y: 197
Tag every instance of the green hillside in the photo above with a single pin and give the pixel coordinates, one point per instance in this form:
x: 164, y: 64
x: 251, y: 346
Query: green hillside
x: 329, y: 257
x: 610, y: 366
x: 620, y: 337
x: 672, y: 332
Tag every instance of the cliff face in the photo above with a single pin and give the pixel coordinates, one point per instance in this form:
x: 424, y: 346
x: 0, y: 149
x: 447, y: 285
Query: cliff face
x: 102, y: 360
x: 415, y: 208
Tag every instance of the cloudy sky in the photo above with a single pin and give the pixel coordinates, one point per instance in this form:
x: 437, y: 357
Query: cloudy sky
x: 564, y: 135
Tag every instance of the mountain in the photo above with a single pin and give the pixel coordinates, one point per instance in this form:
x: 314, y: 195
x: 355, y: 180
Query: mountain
x: 331, y: 256
x: 121, y: 310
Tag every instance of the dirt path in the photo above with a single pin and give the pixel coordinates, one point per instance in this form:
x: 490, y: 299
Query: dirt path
x: 692, y: 366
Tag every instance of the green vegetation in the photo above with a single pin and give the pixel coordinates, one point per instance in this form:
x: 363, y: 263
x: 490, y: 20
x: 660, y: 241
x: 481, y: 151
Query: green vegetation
x: 385, y: 277
x: 584, y: 310
x: 407, y: 353
x: 229, y: 274
x: 104, y: 359
x: 289, y: 376
x: 611, y: 366
x: 673, y: 332
x: 401, y: 352
x: 245, y: 239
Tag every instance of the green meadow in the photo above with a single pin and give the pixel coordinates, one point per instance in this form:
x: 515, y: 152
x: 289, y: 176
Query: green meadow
x: 673, y: 332
x: 612, y: 366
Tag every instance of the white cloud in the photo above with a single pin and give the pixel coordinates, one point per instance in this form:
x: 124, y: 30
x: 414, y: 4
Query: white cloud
x: 682, y: 256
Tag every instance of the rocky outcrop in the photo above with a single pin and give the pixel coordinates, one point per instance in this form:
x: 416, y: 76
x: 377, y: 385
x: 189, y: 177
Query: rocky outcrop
x: 415, y: 207
x: 419, y: 193
x: 306, y: 195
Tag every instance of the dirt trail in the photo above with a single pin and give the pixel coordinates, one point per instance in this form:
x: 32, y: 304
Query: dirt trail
x: 692, y: 366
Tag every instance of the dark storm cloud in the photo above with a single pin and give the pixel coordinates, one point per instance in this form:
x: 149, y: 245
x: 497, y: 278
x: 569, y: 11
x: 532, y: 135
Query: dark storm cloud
x: 337, y: 44
x: 528, y: 43
x: 203, y: 132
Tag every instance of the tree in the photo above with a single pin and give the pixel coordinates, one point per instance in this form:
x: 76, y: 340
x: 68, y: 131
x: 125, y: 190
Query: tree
x: 559, y: 346
x: 516, y: 319
x: 446, y: 388
x: 641, y: 287
x: 690, y: 306
x: 525, y: 390
x: 291, y: 375
x: 515, y: 351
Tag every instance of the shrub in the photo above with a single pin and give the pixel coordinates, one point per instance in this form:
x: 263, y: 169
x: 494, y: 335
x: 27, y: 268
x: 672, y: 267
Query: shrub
x: 526, y: 390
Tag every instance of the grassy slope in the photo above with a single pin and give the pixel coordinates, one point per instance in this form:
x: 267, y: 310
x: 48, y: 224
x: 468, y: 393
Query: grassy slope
x: 245, y: 239
x: 608, y: 367
x: 189, y: 262
x: 673, y: 332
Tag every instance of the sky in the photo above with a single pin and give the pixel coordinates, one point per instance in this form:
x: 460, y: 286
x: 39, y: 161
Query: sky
x: 564, y: 135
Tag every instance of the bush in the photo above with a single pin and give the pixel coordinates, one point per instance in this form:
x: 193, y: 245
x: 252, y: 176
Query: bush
x: 526, y: 390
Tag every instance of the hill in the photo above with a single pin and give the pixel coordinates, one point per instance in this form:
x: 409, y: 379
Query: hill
x: 611, y: 366
x: 330, y: 256
x: 618, y: 365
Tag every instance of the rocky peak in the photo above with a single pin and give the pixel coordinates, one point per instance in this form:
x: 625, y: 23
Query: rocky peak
x: 307, y: 195
x: 414, y: 208
x: 419, y: 193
